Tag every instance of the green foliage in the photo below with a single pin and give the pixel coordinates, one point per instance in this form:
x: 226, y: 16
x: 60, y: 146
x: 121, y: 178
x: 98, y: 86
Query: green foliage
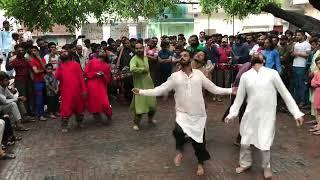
x: 43, y: 14
x: 238, y: 8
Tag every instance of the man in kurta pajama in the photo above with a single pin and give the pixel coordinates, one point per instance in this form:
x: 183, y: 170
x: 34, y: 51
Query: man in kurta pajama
x: 98, y: 74
x: 72, y: 89
x: 141, y: 79
x: 191, y: 116
x: 260, y: 85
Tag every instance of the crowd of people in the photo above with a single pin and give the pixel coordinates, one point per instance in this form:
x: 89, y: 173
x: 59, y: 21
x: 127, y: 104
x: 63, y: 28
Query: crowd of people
x: 41, y: 80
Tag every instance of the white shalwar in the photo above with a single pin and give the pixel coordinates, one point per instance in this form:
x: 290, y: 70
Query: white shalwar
x: 258, y: 122
x: 191, y: 114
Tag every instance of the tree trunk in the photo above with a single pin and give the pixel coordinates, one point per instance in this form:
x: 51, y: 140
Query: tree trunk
x: 306, y: 23
x: 315, y: 4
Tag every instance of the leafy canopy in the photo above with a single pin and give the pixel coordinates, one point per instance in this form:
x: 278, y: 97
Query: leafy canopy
x: 238, y: 8
x: 44, y: 14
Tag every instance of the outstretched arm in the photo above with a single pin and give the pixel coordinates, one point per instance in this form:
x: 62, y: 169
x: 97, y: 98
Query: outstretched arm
x: 160, y: 90
x: 241, y: 94
x: 211, y: 87
x: 286, y: 96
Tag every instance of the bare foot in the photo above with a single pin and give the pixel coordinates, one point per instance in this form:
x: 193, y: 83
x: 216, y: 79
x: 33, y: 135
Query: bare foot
x: 178, y: 159
x: 136, y: 128
x: 242, y: 169
x: 200, y: 171
x: 267, y: 173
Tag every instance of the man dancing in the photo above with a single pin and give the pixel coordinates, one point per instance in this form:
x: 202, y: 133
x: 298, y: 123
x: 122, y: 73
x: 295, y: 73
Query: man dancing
x: 98, y: 74
x: 141, y: 79
x: 72, y: 89
x: 191, y: 115
x: 260, y: 85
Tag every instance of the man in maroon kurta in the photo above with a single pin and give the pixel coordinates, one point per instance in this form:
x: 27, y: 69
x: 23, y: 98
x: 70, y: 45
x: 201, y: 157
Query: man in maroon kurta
x: 98, y: 75
x: 72, y: 89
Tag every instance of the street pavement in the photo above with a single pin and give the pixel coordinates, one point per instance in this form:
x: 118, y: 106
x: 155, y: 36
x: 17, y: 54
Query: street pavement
x: 100, y: 152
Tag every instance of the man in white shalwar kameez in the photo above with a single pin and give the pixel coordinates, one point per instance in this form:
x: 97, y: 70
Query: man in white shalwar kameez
x: 260, y: 85
x: 190, y: 108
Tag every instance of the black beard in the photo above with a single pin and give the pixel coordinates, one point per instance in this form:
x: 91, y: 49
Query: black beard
x: 256, y: 61
x: 64, y: 58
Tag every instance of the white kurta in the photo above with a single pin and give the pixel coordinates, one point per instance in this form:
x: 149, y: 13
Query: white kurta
x: 190, y: 109
x: 258, y: 122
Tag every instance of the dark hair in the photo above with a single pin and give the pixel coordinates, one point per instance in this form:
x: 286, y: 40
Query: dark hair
x: 35, y: 47
x: 66, y: 47
x: 51, y: 44
x: 49, y: 65
x: 110, y: 41
x: 18, y: 46
x: 104, y: 43
x: 272, y: 46
x: 39, y: 39
x: 189, y: 52
x: 300, y: 31
x: 132, y: 40
x: 179, y: 46
x: 15, y: 35
x: 182, y: 38
x: 276, y: 37
x: 140, y: 40
x: 5, y: 22
x: 202, y: 32
x: 289, y: 32
x: 87, y: 41
x: 4, y: 76
x: 313, y: 40
x: 164, y: 44
x: 71, y: 46
x: 207, y: 37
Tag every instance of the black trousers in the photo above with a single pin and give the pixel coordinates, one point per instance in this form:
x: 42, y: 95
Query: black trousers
x: 53, y: 104
x: 25, y: 88
x: 199, y: 148
x: 240, y: 115
x: 138, y: 117
x: 8, y: 133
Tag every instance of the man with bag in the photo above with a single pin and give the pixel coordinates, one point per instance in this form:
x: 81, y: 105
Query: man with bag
x: 122, y: 74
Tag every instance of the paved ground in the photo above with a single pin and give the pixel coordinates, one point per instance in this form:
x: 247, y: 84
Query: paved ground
x: 117, y: 152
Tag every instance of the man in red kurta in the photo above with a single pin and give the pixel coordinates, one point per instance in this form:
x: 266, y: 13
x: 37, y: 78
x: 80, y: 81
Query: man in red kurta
x: 72, y: 89
x: 98, y: 75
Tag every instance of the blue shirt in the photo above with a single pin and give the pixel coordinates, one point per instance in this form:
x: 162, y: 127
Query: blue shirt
x: 242, y: 52
x: 6, y: 40
x: 272, y: 59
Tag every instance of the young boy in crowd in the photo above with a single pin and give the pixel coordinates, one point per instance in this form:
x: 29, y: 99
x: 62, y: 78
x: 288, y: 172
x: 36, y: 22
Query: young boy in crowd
x: 52, y: 91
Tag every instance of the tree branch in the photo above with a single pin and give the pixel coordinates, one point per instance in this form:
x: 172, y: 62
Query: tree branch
x: 306, y: 23
x: 315, y: 4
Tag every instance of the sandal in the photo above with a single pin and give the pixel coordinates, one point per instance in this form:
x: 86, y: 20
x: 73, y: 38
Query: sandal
x: 7, y: 156
x: 311, y: 122
x: 314, y: 128
x: 22, y: 129
x: 16, y: 138
x: 316, y: 132
x: 10, y: 143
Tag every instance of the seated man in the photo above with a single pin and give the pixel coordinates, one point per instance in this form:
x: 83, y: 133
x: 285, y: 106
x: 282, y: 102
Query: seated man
x: 4, y: 155
x: 8, y: 103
